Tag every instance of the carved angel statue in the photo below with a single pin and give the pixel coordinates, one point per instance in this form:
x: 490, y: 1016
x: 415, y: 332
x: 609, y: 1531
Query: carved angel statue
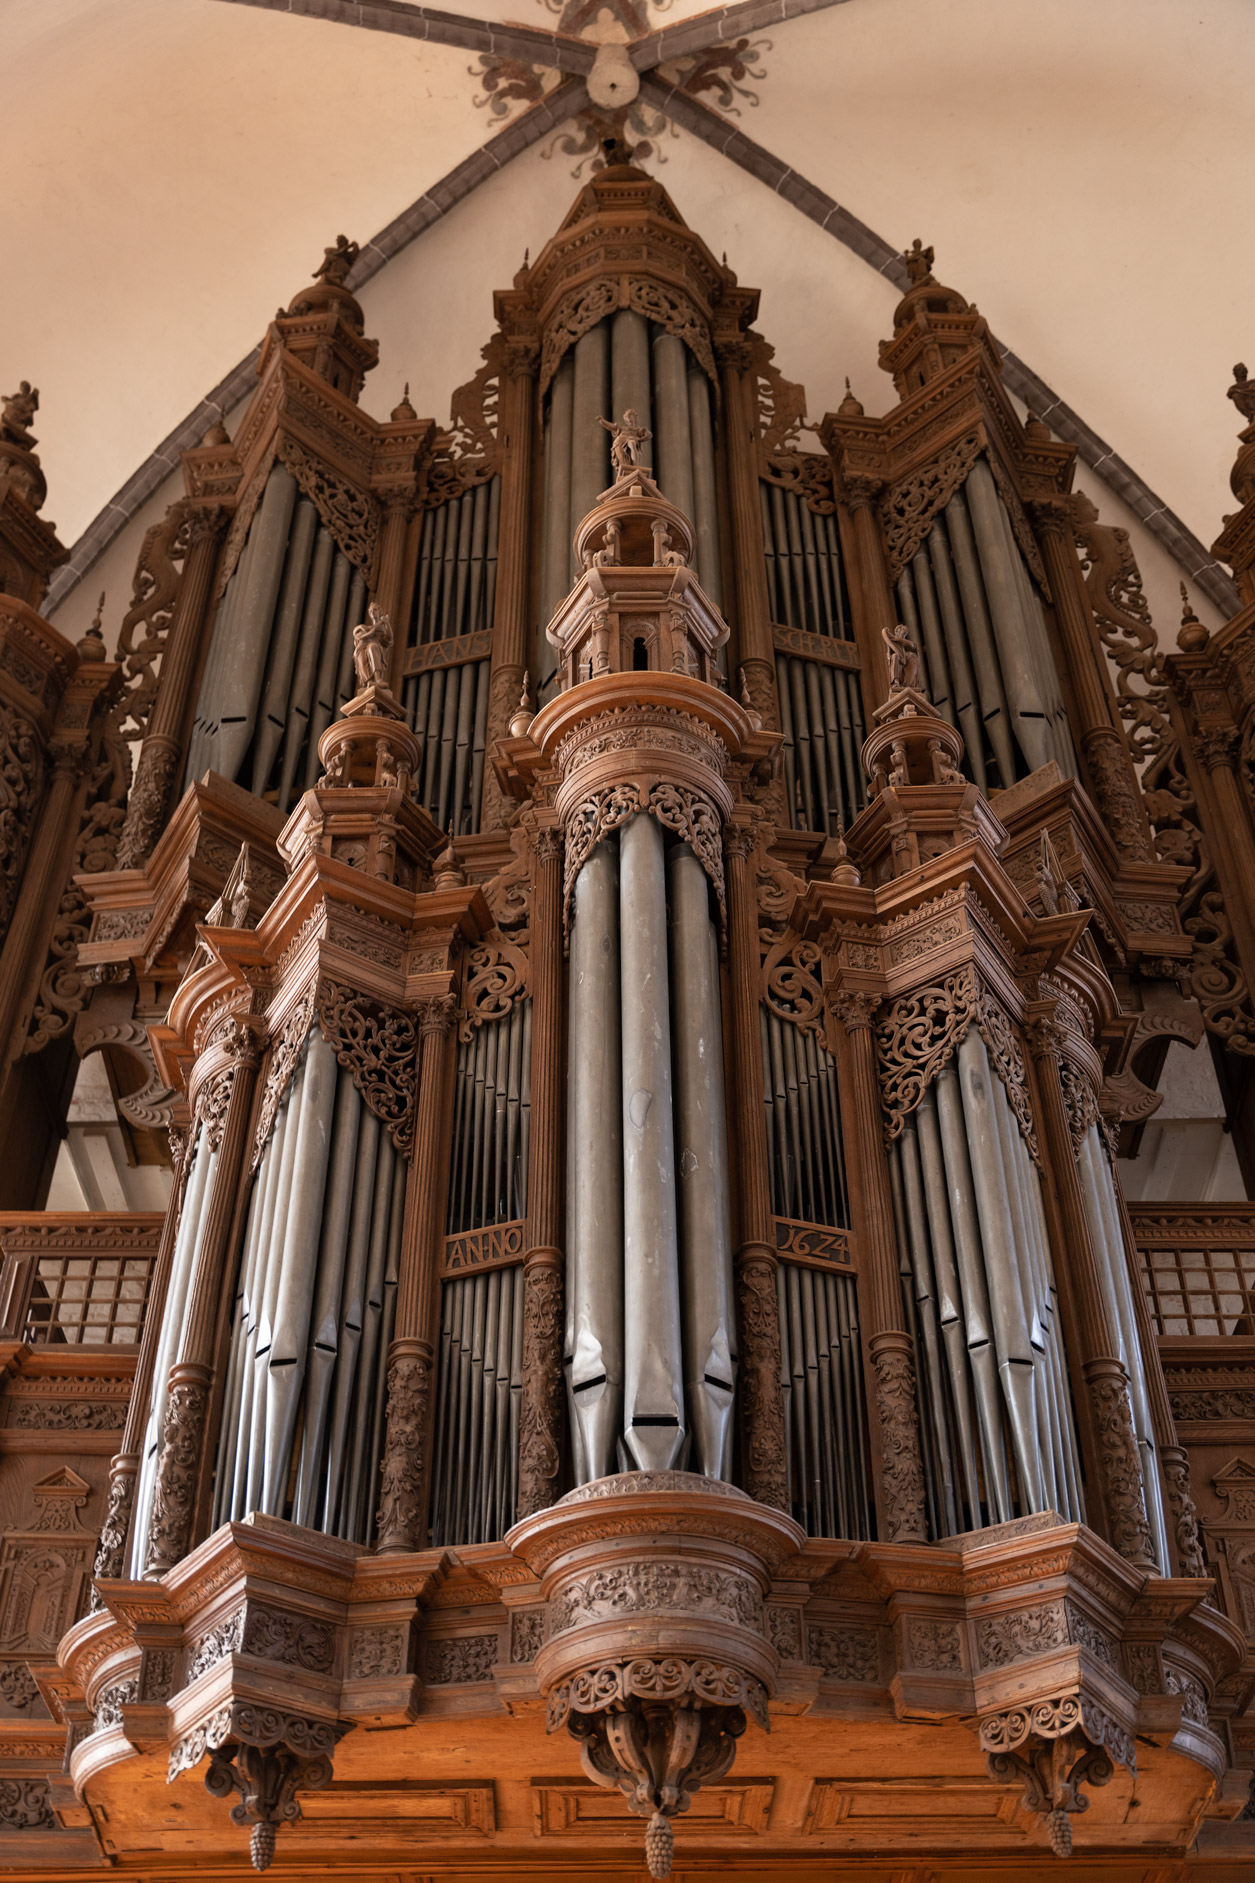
x: 372, y: 643
x: 19, y: 408
x: 903, y: 658
x: 626, y: 438
x: 337, y: 261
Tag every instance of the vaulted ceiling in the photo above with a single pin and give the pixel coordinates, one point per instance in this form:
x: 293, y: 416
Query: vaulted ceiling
x: 173, y: 169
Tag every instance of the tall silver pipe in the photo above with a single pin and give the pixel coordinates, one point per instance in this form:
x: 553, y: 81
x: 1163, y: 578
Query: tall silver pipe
x: 298, y: 1268
x: 350, y: 1154
x: 590, y: 442
x: 346, y: 682
x: 358, y: 1357
x: 182, y: 1266
x: 595, y: 1167
x: 1012, y: 629
x: 324, y: 706
x: 705, y: 493
x: 653, y: 1391
x: 967, y: 705
x: 1103, y: 1214
x: 629, y: 368
x: 991, y: 691
x: 1008, y: 1312
x: 204, y: 740
x: 309, y: 646
x: 261, y: 1212
x: 673, y: 452
x: 950, y: 1309
x: 251, y: 629
x: 702, y: 1164
x: 281, y: 655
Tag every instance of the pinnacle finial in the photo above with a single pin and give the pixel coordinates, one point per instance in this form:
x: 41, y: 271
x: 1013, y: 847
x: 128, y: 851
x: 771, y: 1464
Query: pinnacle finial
x: 1242, y: 392
x: 337, y: 261
x: 1192, y: 636
x: 843, y: 871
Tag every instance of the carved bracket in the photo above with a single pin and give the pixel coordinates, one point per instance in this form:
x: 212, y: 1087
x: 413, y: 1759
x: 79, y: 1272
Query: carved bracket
x: 267, y: 1757
x: 1056, y: 1746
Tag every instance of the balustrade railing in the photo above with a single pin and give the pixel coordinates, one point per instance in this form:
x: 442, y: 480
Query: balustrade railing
x: 76, y: 1280
x: 1197, y: 1266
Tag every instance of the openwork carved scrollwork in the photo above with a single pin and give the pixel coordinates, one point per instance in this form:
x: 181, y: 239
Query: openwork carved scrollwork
x: 580, y: 311
x: 907, y: 511
x: 284, y: 1058
x: 793, y: 984
x: 1008, y: 1062
x: 378, y: 1045
x: 350, y: 515
x: 917, y: 1037
x: 21, y: 786
x: 688, y: 813
x: 496, y: 976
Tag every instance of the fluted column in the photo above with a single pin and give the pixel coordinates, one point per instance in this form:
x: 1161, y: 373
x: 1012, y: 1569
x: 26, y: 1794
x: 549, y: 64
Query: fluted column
x: 540, y: 1415
x: 47, y: 868
x: 899, y: 1478
x: 755, y: 648
x: 163, y: 747
x: 404, y: 1481
x: 511, y: 621
x: 183, y: 1432
x: 871, y: 578
x: 1086, y: 1329
x: 1095, y: 727
x: 124, y: 1465
x: 763, y: 1456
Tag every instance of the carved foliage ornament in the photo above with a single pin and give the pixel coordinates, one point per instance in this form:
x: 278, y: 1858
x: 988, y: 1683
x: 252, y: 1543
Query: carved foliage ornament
x: 688, y: 813
x: 907, y: 511
x: 921, y: 1031
x: 1053, y: 1747
x: 580, y: 311
x: 902, y: 1473
x: 540, y: 1415
x: 758, y: 1383
x: 285, y: 1056
x: 21, y: 786
x: 379, y: 1046
x: 401, y: 1474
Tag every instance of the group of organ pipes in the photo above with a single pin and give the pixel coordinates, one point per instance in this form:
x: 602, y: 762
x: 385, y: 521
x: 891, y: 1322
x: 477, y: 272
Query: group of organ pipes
x: 654, y: 1021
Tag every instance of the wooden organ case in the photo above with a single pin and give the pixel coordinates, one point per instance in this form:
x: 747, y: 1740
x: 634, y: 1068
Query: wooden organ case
x: 635, y: 916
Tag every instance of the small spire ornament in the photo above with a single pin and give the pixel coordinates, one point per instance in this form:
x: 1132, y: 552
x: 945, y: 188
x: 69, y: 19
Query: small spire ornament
x: 1192, y: 636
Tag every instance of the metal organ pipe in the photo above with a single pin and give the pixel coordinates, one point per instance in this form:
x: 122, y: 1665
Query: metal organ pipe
x: 653, y: 1394
x: 673, y: 449
x: 303, y: 1396
x: 590, y: 444
x: 1103, y: 1214
x: 594, y: 1341
x: 182, y: 1265
x: 629, y: 368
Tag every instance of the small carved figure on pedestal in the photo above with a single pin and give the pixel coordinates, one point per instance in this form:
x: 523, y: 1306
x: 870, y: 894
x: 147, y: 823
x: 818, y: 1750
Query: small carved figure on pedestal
x: 372, y: 644
x: 336, y: 263
x: 902, y: 656
x: 626, y: 438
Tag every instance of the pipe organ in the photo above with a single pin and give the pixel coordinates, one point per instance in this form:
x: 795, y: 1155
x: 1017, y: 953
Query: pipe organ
x: 633, y: 917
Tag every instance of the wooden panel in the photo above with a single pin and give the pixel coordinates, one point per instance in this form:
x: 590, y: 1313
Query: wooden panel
x: 574, y: 1808
x: 815, y: 1245
x: 400, y: 1810
x: 497, y: 1246
x: 451, y: 653
x: 876, y: 1811
x: 821, y: 647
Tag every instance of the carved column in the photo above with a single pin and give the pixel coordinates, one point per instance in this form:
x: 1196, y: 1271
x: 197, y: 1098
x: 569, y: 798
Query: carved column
x: 124, y: 1465
x: 761, y: 1399
x: 225, y: 1107
x: 47, y: 867
x: 755, y: 648
x: 404, y: 1479
x: 1174, y: 1460
x: 900, y: 1505
x: 164, y: 742
x: 540, y: 1415
x: 879, y: 609
x: 1086, y: 1332
x: 1095, y: 726
x: 512, y: 608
